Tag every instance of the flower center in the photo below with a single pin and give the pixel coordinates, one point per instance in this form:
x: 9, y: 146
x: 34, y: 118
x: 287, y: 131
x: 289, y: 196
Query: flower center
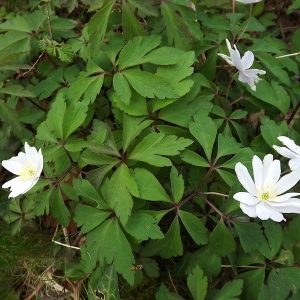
x: 265, y: 196
x: 27, y: 172
x: 267, y: 193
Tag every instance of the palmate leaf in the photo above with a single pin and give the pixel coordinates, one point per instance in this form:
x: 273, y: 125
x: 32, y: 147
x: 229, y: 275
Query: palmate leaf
x: 230, y: 291
x: 121, y: 186
x: 132, y: 127
x: 108, y: 283
x: 154, y: 145
x: 177, y: 185
x: 143, y: 226
x: 164, y: 294
x: 176, y: 73
x: 149, y: 186
x: 131, y: 26
x: 149, y: 85
x: 204, y: 130
x: 59, y: 208
x: 177, y: 31
x: 197, y: 284
x: 97, y: 26
x: 227, y: 145
x: 17, y: 90
x: 145, y: 6
x: 194, y: 227
x: 133, y: 52
x: 221, y: 241
x: 122, y: 88
x: 65, y: 121
x: 113, y: 247
x: 89, y: 217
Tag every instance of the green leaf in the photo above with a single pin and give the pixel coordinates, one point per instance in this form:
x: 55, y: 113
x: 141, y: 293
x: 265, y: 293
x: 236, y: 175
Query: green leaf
x: 177, y: 185
x: 42, y: 202
x: 228, y: 177
x: 73, y: 118
x: 197, y: 284
x: 137, y: 106
x: 230, y: 290
x: 89, y: 217
x: 56, y: 116
x: 143, y: 226
x: 193, y: 158
x: 175, y: 74
x: 149, y: 186
x: 84, y: 188
x: 273, y: 233
x: 252, y: 283
x: 171, y: 245
x: 59, y: 209
x: 164, y: 56
x: 108, y: 283
x: 145, y: 6
x: 250, y: 235
x: 113, y: 247
x: 134, y: 51
x: 87, y: 88
x: 227, y: 145
x: 194, y: 226
x: 149, y: 85
x: 221, y: 241
x: 204, y: 130
x: 271, y: 130
x: 121, y: 186
x: 17, y: 90
x: 245, y: 155
x: 131, y: 26
x: 273, y: 94
x: 177, y: 31
x: 164, y: 294
x: 97, y: 26
x: 154, y: 145
x: 11, y: 117
x: 122, y: 87
x: 132, y: 127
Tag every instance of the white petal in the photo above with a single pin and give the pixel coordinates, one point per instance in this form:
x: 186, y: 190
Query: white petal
x: 245, y: 179
x: 12, y: 166
x: 294, y: 163
x: 247, y: 60
x: 32, y: 155
x: 287, y: 181
x: 245, y: 198
x: 39, y: 164
x: 285, y: 152
x: 248, y: 210
x: 247, y: 79
x: 227, y: 58
x: 257, y: 167
x: 290, y: 206
x: 253, y: 72
x: 268, y: 159
x: 236, y: 58
x: 289, y: 143
x: 284, y: 197
x: 265, y: 212
x: 273, y: 173
x: 18, y: 187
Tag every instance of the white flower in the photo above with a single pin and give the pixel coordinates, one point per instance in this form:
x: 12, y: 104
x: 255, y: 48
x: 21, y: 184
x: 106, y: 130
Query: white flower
x: 243, y: 64
x: 264, y: 197
x: 292, y: 151
x: 28, y: 166
x: 248, y: 1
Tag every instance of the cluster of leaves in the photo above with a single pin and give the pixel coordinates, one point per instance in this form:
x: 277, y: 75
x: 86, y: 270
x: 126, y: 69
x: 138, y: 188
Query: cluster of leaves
x: 140, y: 127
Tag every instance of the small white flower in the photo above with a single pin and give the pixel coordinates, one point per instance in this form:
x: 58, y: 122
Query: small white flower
x: 248, y: 1
x: 28, y: 166
x: 264, y: 197
x: 292, y: 151
x: 243, y: 64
